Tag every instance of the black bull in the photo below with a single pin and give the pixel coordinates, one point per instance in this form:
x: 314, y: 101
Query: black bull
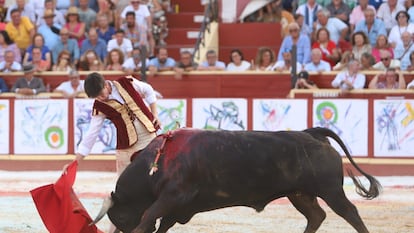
x: 206, y: 170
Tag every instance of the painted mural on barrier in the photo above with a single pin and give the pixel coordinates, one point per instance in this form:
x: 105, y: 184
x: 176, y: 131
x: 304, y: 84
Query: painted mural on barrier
x: 220, y: 113
x: 393, y: 127
x: 280, y: 114
x: 172, y: 114
x: 4, y: 126
x: 41, y: 126
x: 106, y: 140
x: 346, y: 117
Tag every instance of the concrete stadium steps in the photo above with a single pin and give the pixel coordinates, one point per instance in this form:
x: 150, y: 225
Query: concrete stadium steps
x: 177, y: 36
x: 185, y: 20
x: 184, y: 26
x: 187, y: 5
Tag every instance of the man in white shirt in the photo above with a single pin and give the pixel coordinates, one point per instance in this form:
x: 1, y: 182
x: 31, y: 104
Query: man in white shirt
x: 9, y: 64
x: 122, y: 43
x: 134, y: 63
x: 317, y: 64
x: 71, y: 88
x: 351, y: 78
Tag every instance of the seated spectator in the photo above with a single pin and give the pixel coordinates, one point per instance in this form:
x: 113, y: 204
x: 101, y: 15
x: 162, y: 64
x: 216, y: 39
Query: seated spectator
x: 66, y: 43
x: 410, y: 67
x: 3, y: 86
x: 303, y: 82
x: 39, y: 42
x: 20, y: 29
x: 411, y: 85
x: 237, y: 62
x: 135, y: 32
x: 143, y: 17
x: 338, y: 30
x: 328, y: 48
x: 403, y: 25
x: 71, y: 88
x: 339, y: 10
x: 403, y: 50
x: 286, y: 63
x: 49, y: 30
x: 95, y: 43
x: 160, y: 30
x: 9, y: 64
x: 212, y: 63
x: 367, y: 61
x: 360, y: 45
x: 6, y: 44
x: 185, y: 64
x: 388, y: 11
x: 76, y: 28
x: 371, y: 26
x: 391, y: 79
x: 302, y: 42
x: 63, y: 62
x: 121, y: 43
x: 265, y: 59
x: 357, y: 13
x: 317, y: 64
x: 104, y: 30
x: 24, y: 8
x: 114, y: 60
x: 387, y: 62
x: 161, y: 62
x: 350, y: 79
x: 382, y: 43
x: 134, y: 63
x: 304, y: 28
x: 86, y: 14
x: 310, y: 18
x: 28, y: 85
x: 39, y: 64
x: 343, y: 63
x: 90, y: 61
x: 58, y: 19
x: 108, y: 10
x: 274, y: 13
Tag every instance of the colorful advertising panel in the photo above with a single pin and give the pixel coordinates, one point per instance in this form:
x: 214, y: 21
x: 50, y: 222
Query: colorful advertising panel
x: 172, y: 113
x: 346, y: 117
x: 220, y: 113
x: 40, y: 126
x: 4, y: 126
x: 394, y: 128
x: 280, y: 114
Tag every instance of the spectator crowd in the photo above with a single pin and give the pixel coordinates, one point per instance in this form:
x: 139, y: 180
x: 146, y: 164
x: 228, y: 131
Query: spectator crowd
x: 348, y: 36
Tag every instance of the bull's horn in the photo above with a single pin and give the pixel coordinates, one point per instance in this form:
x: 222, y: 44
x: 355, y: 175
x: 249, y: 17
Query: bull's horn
x: 107, y: 204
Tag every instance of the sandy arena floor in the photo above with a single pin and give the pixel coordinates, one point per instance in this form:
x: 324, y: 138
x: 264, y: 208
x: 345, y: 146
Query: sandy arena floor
x: 392, y: 212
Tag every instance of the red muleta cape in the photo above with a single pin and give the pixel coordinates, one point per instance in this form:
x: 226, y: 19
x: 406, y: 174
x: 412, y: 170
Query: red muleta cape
x: 59, y: 207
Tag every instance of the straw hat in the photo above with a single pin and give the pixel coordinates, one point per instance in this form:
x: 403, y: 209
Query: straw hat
x: 48, y: 13
x: 73, y: 10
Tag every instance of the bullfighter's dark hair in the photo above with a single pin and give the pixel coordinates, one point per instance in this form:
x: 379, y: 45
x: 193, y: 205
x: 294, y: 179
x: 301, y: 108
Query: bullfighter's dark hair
x: 94, y: 83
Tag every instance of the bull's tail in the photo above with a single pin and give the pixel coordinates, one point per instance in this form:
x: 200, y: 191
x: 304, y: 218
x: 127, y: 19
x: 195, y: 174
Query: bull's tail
x: 374, y: 188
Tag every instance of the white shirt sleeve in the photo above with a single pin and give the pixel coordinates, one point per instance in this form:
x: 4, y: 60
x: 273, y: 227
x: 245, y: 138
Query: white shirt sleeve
x: 338, y: 79
x: 145, y: 90
x: 89, y: 139
x: 359, y: 81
